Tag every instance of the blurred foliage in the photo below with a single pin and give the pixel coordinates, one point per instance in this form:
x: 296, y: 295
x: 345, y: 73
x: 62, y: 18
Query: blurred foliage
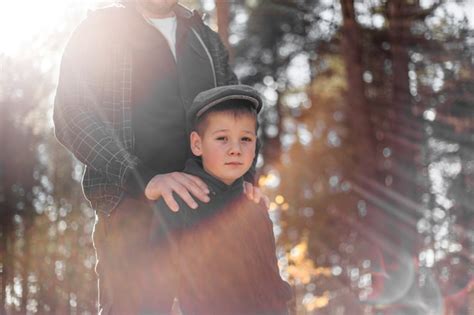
x: 46, y: 252
x: 368, y: 137
x: 368, y: 158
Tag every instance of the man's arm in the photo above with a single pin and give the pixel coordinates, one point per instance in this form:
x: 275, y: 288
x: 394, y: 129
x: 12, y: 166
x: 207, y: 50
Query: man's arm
x: 79, y: 119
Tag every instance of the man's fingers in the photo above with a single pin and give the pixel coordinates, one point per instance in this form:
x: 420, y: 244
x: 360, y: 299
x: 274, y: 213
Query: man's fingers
x: 187, y: 187
x: 198, y: 182
x: 249, y: 190
x: 151, y: 191
x: 255, y: 194
x: 170, y: 202
x: 184, y: 194
x: 266, y: 201
x: 195, y: 186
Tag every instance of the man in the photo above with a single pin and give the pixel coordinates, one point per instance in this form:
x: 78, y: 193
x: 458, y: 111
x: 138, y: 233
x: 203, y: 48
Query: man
x: 127, y: 75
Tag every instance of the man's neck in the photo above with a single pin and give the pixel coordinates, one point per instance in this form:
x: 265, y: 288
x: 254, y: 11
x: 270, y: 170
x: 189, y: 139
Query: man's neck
x: 155, y: 15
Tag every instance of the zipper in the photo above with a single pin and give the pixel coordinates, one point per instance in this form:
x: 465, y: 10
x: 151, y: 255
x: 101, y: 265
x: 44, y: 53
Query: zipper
x: 208, y: 55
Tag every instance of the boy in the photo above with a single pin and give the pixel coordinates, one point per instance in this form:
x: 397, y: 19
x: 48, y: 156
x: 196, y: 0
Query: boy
x: 225, y: 249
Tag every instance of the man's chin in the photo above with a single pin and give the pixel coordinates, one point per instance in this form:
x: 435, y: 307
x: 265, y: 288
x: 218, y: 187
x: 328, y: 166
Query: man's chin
x: 158, y: 9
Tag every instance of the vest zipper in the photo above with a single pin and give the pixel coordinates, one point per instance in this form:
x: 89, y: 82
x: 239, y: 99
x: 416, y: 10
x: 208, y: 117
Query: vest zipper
x: 208, y: 55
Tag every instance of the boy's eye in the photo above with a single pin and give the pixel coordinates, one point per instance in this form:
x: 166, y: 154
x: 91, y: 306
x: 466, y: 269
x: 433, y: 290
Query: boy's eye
x: 247, y: 139
x: 221, y: 138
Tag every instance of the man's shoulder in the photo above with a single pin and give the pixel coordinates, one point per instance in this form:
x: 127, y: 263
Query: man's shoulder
x: 185, y: 12
x: 105, y: 15
x: 194, y: 17
x: 99, y: 25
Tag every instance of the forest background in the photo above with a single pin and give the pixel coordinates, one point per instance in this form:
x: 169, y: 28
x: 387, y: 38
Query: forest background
x: 368, y: 154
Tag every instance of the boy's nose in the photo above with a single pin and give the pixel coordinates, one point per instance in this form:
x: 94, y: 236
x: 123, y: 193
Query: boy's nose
x: 235, y: 148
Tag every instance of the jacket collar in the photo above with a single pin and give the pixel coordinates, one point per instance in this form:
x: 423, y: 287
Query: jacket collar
x: 142, y: 35
x: 180, y: 10
x: 194, y: 167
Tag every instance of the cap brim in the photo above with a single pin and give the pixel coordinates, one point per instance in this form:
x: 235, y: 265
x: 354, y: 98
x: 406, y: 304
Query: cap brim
x: 256, y: 104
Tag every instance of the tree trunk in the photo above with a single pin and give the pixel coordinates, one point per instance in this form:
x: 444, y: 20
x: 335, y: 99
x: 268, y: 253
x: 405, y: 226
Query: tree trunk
x: 362, y: 130
x: 223, y: 21
x: 401, y: 102
x: 5, y: 262
x: 5, y: 210
x: 27, y: 258
x: 401, y: 97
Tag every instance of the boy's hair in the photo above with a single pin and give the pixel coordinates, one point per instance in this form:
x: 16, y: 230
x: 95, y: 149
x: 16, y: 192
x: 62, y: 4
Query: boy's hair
x: 236, y: 108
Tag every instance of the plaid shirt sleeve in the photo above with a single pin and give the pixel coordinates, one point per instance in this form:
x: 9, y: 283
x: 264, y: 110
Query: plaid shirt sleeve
x: 81, y: 123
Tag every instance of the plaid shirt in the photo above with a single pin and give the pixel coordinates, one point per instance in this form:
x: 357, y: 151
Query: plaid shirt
x: 92, y: 110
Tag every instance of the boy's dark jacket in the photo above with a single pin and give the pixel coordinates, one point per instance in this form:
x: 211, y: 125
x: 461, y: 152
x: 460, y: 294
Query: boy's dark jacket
x: 225, y: 251
x: 93, y: 105
x: 221, y: 195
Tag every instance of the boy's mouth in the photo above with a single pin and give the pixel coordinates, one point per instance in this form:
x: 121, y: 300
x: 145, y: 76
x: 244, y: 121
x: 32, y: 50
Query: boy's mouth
x: 233, y: 163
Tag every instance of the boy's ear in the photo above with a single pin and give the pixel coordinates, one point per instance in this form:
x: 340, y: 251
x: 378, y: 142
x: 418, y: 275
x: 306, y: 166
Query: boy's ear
x: 195, y: 142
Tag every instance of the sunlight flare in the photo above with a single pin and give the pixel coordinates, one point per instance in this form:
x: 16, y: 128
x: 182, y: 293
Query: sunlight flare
x: 23, y: 21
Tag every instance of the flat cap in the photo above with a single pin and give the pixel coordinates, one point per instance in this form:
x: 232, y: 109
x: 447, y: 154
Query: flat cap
x: 212, y: 97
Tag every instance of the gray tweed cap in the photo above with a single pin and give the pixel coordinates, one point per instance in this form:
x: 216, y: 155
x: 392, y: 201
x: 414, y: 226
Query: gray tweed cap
x: 210, y: 98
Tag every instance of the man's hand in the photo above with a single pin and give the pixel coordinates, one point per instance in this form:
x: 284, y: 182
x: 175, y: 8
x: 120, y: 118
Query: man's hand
x: 255, y: 194
x: 183, y: 184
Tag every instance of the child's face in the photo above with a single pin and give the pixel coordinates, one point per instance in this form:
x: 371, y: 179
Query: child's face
x: 227, y: 145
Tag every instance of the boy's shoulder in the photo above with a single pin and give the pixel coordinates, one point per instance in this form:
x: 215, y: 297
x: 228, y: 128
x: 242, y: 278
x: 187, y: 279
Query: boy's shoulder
x: 246, y: 210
